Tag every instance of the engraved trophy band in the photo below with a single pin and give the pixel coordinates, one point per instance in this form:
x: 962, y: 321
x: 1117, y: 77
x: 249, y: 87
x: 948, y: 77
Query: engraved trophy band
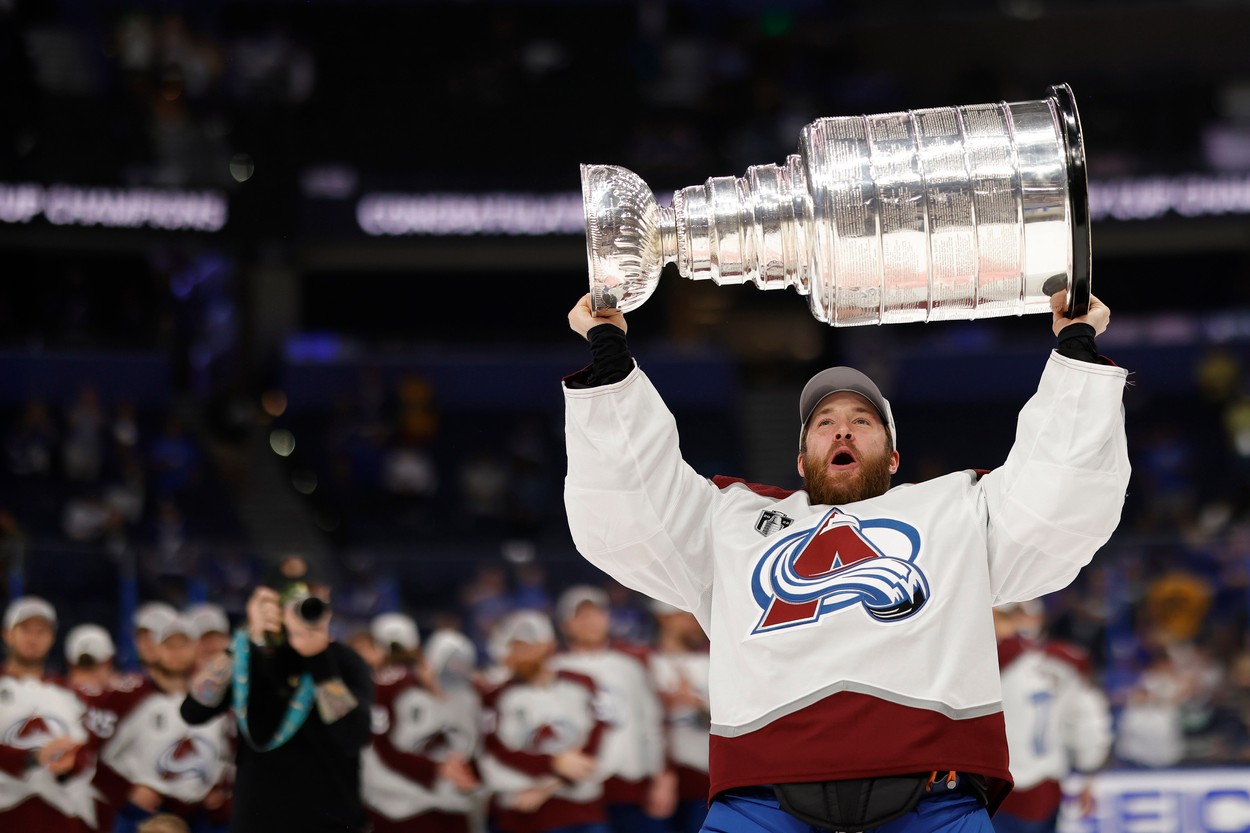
x: 924, y: 215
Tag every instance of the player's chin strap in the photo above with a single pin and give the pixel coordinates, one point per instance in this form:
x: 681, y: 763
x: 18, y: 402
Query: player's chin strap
x: 296, y: 712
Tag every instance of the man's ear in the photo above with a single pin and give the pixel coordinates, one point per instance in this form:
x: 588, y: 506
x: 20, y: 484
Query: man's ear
x: 802, y: 474
x: 893, y: 462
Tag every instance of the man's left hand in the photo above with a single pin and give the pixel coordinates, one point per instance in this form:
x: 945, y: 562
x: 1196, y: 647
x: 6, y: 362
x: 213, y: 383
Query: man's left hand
x: 1098, y: 316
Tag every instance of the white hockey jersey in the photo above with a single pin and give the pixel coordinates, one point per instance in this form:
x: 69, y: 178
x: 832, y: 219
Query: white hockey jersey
x: 850, y: 641
x: 32, y: 713
x: 1057, y: 721
x: 687, y: 725
x: 153, y: 746
x: 632, y: 749
x: 413, y: 731
x: 525, y: 725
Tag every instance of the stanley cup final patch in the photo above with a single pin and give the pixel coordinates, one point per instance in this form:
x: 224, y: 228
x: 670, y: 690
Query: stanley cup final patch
x: 771, y: 520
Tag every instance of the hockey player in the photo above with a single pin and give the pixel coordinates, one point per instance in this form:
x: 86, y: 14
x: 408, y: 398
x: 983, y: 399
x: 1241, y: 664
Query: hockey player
x: 452, y: 661
x: 828, y: 608
x: 541, y: 737
x: 46, y: 764
x: 680, y: 667
x: 637, y: 790
x: 1057, y: 721
x: 89, y: 653
x: 416, y: 776
x: 164, y: 764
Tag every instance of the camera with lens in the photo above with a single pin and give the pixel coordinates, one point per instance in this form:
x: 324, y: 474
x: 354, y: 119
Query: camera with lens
x: 309, y: 608
x: 299, y: 599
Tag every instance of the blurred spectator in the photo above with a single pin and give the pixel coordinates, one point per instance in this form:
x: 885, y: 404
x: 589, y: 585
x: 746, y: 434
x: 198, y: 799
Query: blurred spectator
x: 82, y: 453
x: 415, y: 775
x: 543, y: 736
x: 639, y: 792
x: 1058, y: 723
x: 1149, y: 732
x: 165, y: 764
x: 89, y: 518
x: 213, y: 626
x: 681, y: 666
x: 149, y: 619
x: 89, y: 653
x: 42, y: 730
x: 32, y: 446
x: 1175, y: 606
x: 125, y: 426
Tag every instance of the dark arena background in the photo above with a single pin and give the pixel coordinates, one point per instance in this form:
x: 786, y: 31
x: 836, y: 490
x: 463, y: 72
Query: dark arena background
x: 291, y: 278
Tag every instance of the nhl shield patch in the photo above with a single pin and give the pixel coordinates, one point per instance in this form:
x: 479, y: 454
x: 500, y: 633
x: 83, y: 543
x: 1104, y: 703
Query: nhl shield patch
x: 770, y: 520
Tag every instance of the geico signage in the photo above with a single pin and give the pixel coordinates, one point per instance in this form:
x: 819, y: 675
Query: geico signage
x: 1162, y: 801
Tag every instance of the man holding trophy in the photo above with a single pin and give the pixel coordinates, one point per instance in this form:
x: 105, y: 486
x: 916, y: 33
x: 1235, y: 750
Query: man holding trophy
x: 854, y: 678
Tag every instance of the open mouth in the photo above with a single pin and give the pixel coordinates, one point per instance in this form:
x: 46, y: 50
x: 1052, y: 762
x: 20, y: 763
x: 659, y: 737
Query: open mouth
x: 842, y: 459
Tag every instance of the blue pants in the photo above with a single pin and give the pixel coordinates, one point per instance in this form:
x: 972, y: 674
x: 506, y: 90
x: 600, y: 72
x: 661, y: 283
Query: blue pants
x: 1005, y: 823
x: 947, y: 812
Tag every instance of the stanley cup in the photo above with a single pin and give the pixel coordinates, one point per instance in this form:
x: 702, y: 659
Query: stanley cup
x: 924, y: 215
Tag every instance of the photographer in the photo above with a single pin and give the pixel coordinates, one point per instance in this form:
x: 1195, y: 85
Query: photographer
x: 302, y: 704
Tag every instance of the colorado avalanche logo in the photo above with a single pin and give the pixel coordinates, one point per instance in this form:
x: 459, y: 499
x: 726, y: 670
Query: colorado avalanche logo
x: 187, y: 758
x: 836, y: 565
x: 34, y: 732
x: 551, y: 738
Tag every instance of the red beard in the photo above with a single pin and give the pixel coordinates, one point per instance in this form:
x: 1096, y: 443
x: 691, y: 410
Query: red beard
x: 869, y: 479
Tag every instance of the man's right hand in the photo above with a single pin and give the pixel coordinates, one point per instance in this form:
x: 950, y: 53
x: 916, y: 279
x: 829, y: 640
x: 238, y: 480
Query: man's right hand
x: 58, y: 755
x: 582, y: 319
x: 573, y: 765
x: 264, y: 614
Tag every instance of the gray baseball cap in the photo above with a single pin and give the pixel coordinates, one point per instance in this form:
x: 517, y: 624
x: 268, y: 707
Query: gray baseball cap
x: 836, y: 380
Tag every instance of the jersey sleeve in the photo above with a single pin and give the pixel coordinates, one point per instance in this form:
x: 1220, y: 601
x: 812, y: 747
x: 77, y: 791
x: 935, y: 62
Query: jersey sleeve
x: 635, y: 508
x: 1057, y: 498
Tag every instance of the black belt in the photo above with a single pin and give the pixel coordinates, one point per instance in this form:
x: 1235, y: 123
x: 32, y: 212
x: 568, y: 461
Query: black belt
x: 863, y: 803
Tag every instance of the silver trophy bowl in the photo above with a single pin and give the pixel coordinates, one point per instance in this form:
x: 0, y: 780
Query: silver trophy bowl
x: 924, y: 215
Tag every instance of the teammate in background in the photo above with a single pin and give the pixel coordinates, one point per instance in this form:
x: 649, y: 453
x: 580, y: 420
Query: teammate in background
x: 638, y: 791
x: 541, y: 736
x: 45, y: 767
x: 1057, y: 721
x: 452, y: 660
x: 416, y: 776
x: 680, y: 667
x: 149, y: 617
x: 852, y: 644
x: 89, y: 655
x: 213, y: 625
x: 161, y: 763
